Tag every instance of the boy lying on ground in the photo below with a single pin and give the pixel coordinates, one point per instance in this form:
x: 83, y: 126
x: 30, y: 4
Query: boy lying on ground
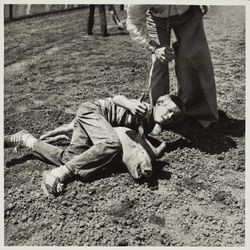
x: 137, y: 155
x: 94, y: 141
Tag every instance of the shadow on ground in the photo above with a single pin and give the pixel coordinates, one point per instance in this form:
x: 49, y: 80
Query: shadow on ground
x: 213, y: 140
x: 116, y: 167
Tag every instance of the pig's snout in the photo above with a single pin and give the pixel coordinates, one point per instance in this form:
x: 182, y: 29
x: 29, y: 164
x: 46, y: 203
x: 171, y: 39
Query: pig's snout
x: 147, y: 173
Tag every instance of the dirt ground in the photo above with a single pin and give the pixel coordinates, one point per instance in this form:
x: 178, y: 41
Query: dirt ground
x: 198, y: 195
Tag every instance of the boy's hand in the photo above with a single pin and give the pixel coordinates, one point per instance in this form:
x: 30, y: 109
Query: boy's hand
x: 138, y: 108
x: 164, y: 54
x: 63, y: 129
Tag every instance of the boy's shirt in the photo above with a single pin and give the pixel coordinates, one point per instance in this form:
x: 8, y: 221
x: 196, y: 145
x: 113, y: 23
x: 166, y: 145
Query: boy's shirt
x: 119, y: 116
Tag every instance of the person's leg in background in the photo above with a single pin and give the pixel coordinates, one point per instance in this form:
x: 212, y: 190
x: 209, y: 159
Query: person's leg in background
x: 194, y: 69
x: 115, y: 17
x: 103, y: 20
x: 91, y: 19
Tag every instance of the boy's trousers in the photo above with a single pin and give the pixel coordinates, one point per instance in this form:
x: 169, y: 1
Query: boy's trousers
x: 193, y: 65
x: 93, y: 145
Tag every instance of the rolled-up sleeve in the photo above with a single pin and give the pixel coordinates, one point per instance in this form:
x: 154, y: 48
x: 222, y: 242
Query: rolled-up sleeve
x: 136, y: 23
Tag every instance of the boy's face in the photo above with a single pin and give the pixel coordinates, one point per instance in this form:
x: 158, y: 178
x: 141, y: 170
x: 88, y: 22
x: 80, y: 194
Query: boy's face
x: 165, y: 110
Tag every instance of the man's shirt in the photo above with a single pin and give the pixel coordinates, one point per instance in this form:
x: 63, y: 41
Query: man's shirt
x: 136, y: 18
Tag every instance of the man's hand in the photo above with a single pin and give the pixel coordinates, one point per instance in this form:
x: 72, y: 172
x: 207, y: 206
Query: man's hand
x: 164, y: 54
x: 58, y: 133
x: 204, y: 9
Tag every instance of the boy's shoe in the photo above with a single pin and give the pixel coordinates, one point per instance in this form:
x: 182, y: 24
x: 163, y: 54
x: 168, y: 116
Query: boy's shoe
x: 18, y: 139
x: 51, y: 184
x: 53, y: 181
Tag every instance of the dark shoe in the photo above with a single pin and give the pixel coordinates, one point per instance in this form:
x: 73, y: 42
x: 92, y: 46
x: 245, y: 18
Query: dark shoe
x: 106, y: 34
x: 90, y: 33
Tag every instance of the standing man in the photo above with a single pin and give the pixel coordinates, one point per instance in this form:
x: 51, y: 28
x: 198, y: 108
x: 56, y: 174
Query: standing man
x: 151, y: 26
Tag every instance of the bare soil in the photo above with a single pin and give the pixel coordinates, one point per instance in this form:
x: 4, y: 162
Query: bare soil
x: 198, y: 195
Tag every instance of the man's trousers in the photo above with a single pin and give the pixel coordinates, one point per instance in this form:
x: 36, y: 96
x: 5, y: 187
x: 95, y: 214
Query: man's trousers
x: 193, y: 65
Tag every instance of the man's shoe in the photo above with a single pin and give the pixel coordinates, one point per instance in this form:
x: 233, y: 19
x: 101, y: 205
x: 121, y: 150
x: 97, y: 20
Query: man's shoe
x: 105, y: 34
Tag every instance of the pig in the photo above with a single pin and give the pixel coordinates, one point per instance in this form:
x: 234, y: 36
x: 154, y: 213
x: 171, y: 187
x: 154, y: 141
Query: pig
x: 138, y: 154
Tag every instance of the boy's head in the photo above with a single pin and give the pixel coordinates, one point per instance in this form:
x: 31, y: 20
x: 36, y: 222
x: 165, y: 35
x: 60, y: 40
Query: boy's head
x: 167, y: 108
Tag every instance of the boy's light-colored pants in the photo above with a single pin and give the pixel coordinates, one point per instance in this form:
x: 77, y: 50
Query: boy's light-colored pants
x: 93, y: 145
x: 193, y: 65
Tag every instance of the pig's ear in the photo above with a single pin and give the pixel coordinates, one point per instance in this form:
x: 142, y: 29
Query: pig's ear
x: 132, y: 166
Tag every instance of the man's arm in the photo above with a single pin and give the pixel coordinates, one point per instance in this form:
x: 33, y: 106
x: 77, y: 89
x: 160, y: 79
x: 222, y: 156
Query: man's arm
x: 204, y: 9
x: 136, y: 24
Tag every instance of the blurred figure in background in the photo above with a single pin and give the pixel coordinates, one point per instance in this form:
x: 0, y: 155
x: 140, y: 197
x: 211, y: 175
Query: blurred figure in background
x: 115, y: 17
x: 123, y: 7
x: 151, y: 25
x: 103, y: 20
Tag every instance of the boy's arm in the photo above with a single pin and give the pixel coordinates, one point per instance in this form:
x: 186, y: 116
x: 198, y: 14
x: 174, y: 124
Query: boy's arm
x: 63, y: 129
x: 136, y: 107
